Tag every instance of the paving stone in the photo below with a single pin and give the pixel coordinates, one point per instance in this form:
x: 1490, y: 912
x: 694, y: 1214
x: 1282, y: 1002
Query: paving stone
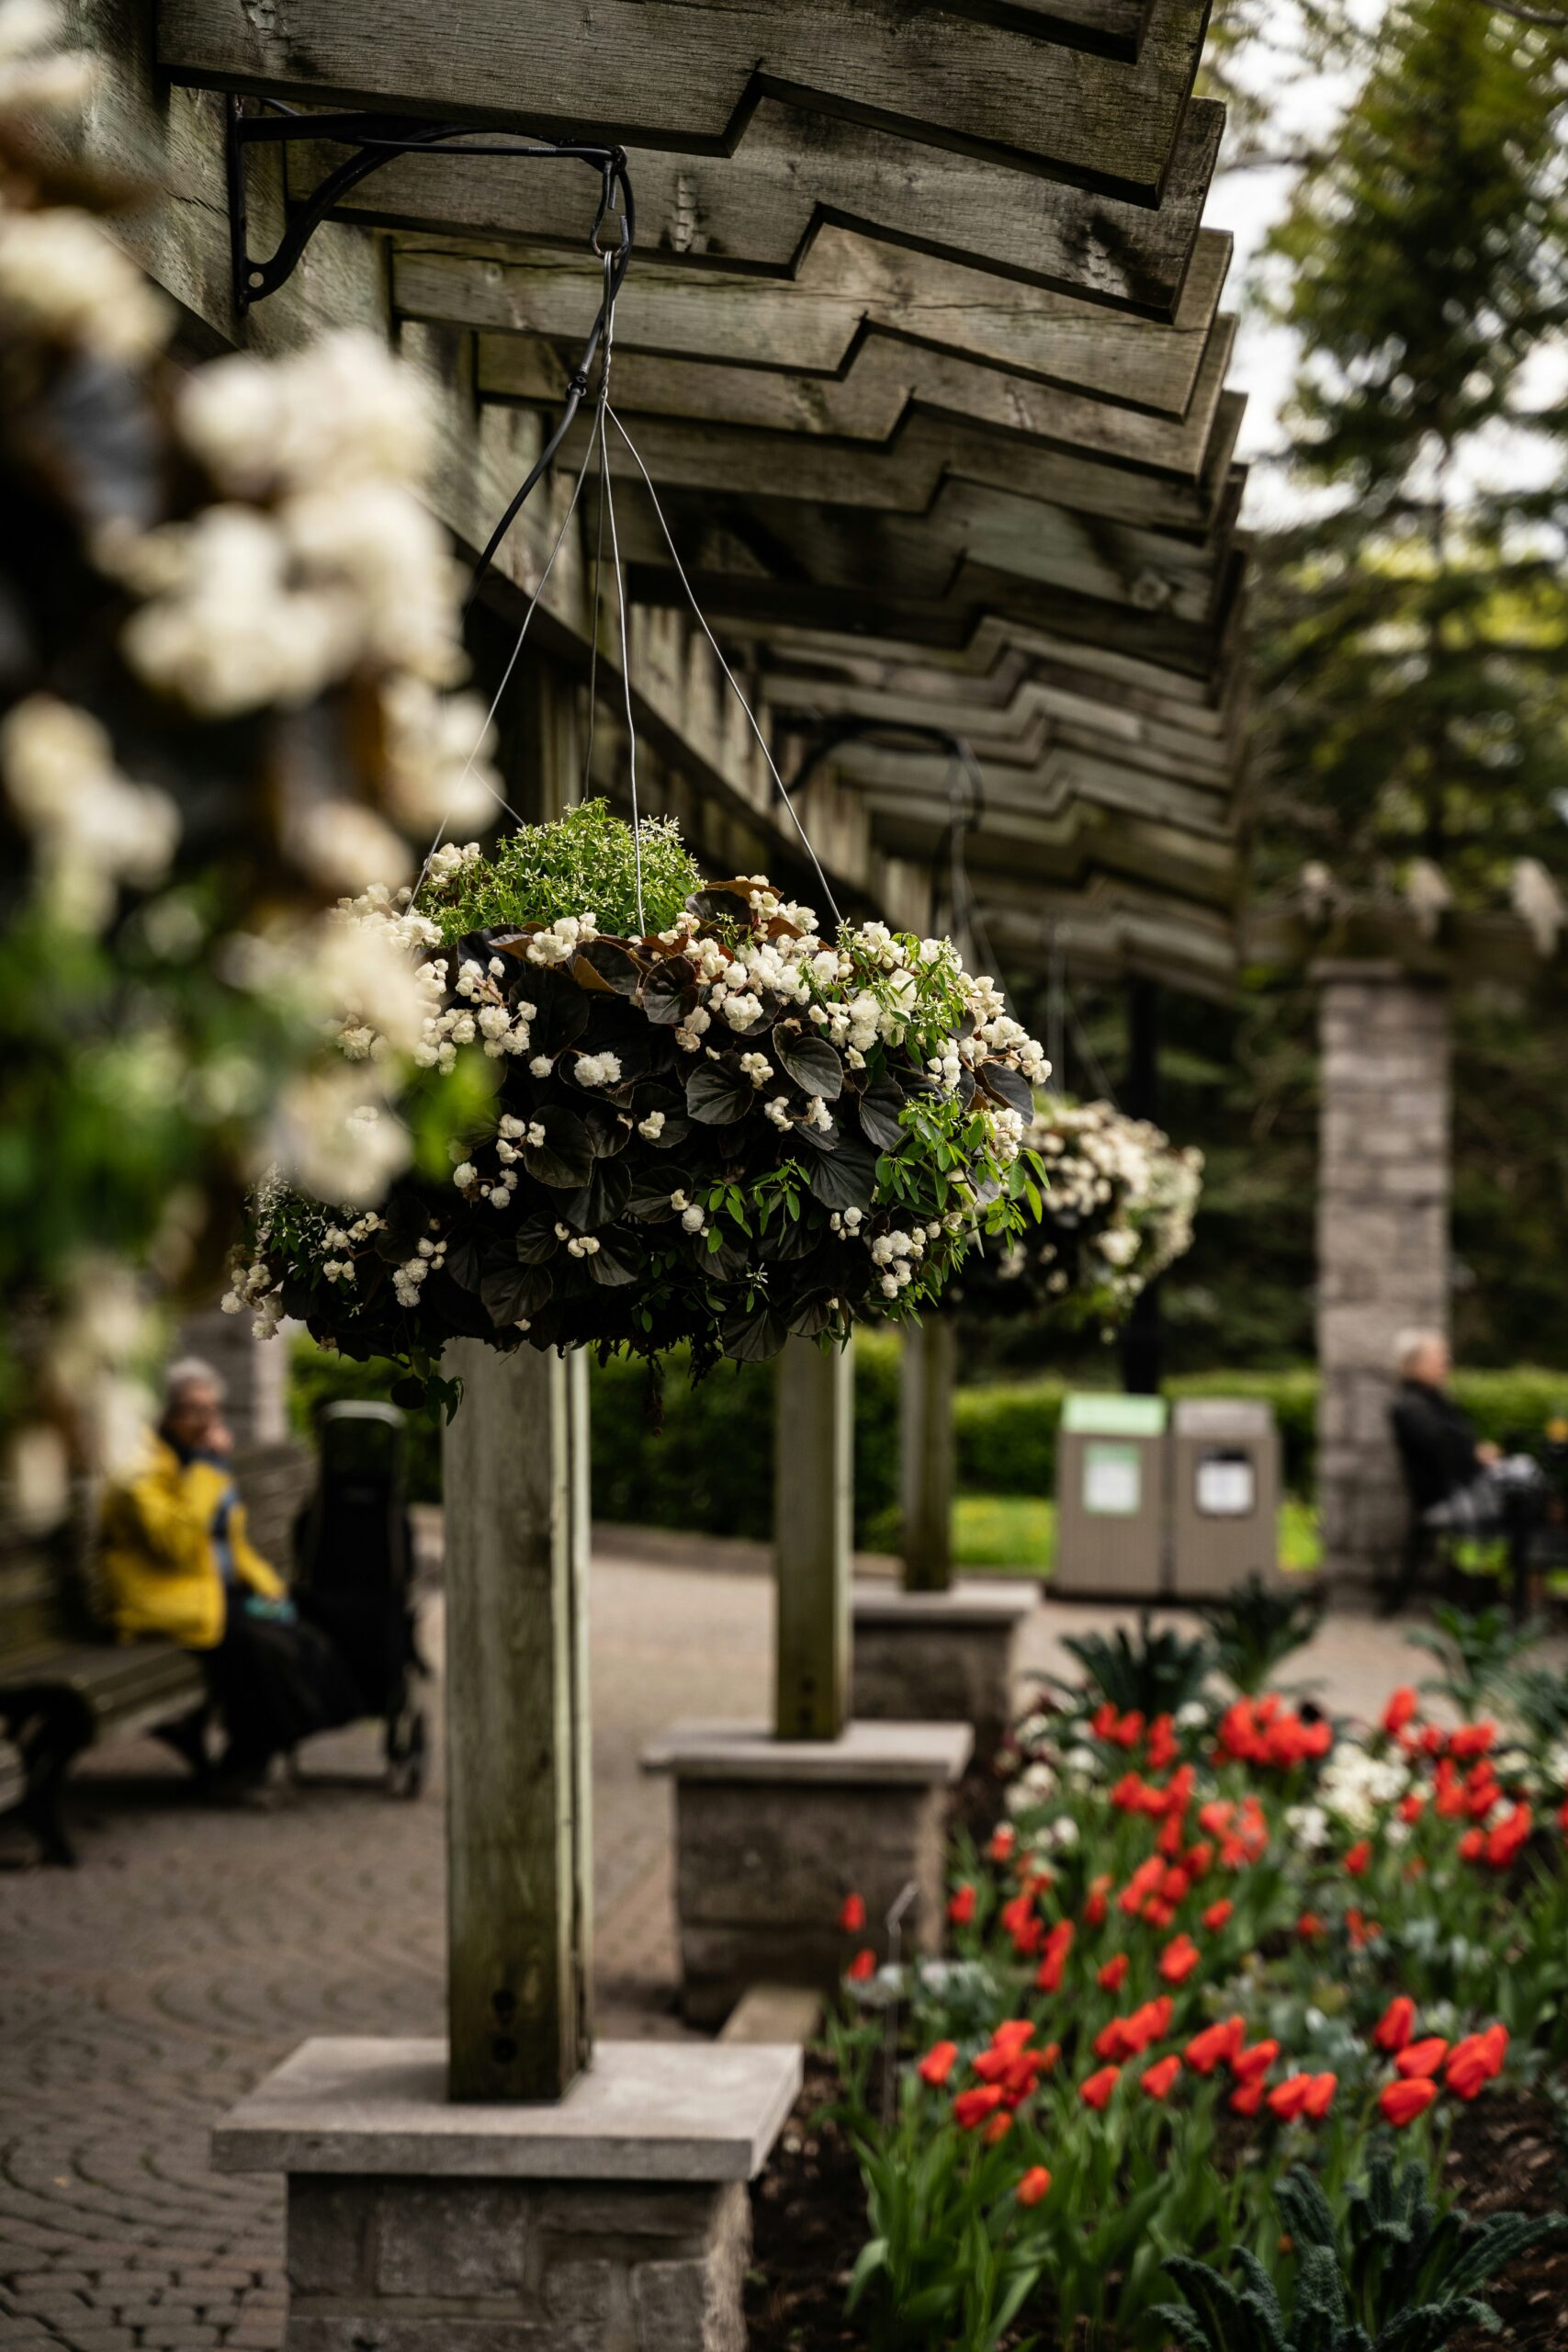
x: 142, y: 1995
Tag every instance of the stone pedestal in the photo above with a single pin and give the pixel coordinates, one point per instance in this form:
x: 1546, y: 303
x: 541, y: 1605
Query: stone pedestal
x: 614, y: 2220
x: 771, y: 1834
x: 1383, y: 1239
x: 942, y: 1657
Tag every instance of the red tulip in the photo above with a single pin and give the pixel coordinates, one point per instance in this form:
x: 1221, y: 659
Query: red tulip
x: 1419, y: 2059
x: 1113, y: 1975
x: 972, y: 2108
x: 1251, y: 2064
x: 1402, y: 1709
x: 1058, y: 1943
x: 1309, y: 1927
x: 1011, y: 2035
x: 1400, y: 2103
x: 1216, y: 2042
x: 997, y: 2128
x: 1475, y: 2061
x: 1218, y: 1915
x: 937, y: 2065
x: 1397, y: 2023
x: 960, y: 1906
x: 1095, y: 1908
x: 1035, y: 2184
x: 1158, y: 2078
x: 1100, y: 2085
x: 1247, y: 2097
x: 1320, y: 2096
x: 1178, y: 1959
x: 1287, y: 2099
x: 1505, y: 1840
x: 1358, y: 1857
x: 863, y: 1966
x: 851, y: 1914
x: 1002, y: 1843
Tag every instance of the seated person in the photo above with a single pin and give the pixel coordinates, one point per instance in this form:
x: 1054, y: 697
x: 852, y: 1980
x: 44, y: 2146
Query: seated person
x: 177, y: 1562
x: 1437, y: 1445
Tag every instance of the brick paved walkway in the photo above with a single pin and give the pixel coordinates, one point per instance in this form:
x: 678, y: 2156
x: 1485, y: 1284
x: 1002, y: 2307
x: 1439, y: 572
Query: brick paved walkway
x: 140, y: 1995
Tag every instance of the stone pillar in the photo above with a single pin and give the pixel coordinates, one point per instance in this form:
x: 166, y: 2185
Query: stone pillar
x: 1383, y: 1239
x: 928, y: 1455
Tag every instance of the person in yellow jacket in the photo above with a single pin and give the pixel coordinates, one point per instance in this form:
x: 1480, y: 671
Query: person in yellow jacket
x: 177, y: 1562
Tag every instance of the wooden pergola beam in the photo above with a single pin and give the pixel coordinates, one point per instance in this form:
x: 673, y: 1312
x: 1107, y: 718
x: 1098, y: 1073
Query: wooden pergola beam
x: 887, y: 382
x: 667, y: 74
x: 849, y: 292
x: 790, y: 175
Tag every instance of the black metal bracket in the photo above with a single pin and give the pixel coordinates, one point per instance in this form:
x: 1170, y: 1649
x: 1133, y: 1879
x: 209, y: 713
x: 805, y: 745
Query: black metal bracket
x: 375, y: 139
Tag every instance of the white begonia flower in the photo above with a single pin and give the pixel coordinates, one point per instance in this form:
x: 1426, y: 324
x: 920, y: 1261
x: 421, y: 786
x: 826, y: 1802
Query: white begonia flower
x: 598, y: 1069
x: 463, y: 1175
x: 330, y: 1137
x: 652, y: 1127
x: 225, y: 629
x: 62, y: 279
x: 541, y: 1066
x: 537, y: 1135
x: 693, y: 1220
x: 343, y: 409
x: 92, y: 830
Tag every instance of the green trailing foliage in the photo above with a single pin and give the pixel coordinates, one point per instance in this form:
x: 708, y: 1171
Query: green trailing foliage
x: 1397, y: 2276
x: 586, y: 861
x: 1257, y: 1627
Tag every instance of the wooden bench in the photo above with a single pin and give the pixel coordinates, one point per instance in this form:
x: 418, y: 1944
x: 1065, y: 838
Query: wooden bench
x: 65, y: 1685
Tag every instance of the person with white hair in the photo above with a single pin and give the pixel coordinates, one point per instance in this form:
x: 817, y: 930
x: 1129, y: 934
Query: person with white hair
x: 178, y: 1562
x: 1450, y: 1473
x: 1436, y: 1436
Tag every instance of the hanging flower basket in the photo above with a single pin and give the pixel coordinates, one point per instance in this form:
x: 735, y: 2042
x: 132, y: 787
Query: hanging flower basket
x: 1118, y: 1209
x: 721, y: 1132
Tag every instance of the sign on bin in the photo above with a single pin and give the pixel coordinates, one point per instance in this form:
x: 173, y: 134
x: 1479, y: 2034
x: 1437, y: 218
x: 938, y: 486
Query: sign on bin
x: 1113, y: 1481
x: 1226, y: 1486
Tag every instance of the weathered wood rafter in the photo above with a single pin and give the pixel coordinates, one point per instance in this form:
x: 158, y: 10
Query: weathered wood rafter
x: 794, y: 174
x: 668, y: 73
x: 849, y: 293
x: 903, y: 485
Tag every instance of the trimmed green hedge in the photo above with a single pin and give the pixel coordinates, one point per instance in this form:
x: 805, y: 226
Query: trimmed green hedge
x: 710, y: 1468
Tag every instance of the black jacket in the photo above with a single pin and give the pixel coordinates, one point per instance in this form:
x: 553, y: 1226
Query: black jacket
x: 1436, y: 1442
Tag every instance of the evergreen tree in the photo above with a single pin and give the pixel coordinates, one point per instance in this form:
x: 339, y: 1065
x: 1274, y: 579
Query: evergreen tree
x: 1416, y: 625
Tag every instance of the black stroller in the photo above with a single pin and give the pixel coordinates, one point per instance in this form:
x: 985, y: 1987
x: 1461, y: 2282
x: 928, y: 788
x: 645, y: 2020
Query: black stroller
x: 353, y: 1575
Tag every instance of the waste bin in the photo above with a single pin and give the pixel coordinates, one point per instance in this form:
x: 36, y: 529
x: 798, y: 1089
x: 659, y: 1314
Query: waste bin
x: 1110, y: 1454
x: 1225, y: 1495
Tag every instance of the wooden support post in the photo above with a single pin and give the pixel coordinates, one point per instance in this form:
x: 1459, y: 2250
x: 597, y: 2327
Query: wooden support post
x: 927, y: 1468
x: 518, y: 1971
x: 813, y: 1487
x: 1142, y: 1350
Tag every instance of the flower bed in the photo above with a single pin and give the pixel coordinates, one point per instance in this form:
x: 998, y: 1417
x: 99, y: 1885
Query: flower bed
x: 720, y: 1131
x: 1228, y: 1978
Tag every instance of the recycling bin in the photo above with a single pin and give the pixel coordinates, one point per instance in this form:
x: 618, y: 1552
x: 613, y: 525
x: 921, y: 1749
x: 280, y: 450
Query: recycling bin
x: 1225, y: 1495
x: 1110, y: 1498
